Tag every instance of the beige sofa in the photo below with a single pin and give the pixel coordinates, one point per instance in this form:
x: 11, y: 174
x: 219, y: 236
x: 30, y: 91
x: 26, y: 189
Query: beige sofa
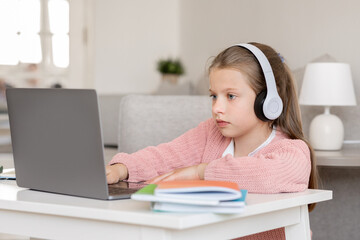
x: 148, y: 120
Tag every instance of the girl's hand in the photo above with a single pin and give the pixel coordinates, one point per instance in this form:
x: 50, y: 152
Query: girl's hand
x: 188, y: 173
x: 116, y: 172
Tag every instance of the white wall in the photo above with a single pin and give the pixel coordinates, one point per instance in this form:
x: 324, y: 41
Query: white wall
x: 299, y: 30
x: 129, y: 37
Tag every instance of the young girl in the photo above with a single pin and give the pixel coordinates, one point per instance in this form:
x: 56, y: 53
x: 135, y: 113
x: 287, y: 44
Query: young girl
x: 261, y: 155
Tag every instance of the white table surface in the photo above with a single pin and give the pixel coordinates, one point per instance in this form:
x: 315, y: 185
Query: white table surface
x: 53, y: 216
x: 348, y: 156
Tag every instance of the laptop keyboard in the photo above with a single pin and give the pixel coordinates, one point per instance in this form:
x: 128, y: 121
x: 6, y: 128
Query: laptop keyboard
x: 121, y: 188
x: 120, y: 191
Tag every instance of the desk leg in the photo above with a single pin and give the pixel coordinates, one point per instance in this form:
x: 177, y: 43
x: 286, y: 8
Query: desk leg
x: 301, y: 230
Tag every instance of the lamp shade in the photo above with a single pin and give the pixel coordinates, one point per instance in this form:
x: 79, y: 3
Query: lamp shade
x: 327, y: 84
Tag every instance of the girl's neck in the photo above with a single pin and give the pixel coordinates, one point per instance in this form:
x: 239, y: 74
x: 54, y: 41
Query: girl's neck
x: 246, y: 144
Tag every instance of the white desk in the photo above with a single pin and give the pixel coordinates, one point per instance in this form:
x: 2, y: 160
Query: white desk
x: 52, y: 216
x: 348, y: 156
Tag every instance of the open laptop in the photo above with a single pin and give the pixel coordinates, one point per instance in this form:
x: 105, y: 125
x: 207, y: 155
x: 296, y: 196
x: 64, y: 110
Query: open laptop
x: 57, y: 143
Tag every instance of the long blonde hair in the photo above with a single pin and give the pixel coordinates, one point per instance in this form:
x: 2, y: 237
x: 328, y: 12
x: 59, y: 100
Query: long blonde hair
x: 290, y: 120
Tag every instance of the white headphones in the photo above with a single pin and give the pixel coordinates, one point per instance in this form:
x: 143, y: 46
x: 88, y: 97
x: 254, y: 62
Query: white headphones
x: 268, y: 104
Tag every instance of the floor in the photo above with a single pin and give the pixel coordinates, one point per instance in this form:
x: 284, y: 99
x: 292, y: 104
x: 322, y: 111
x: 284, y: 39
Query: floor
x: 6, y: 160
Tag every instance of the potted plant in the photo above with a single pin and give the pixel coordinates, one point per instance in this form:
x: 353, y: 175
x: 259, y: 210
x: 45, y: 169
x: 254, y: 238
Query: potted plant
x: 170, y: 69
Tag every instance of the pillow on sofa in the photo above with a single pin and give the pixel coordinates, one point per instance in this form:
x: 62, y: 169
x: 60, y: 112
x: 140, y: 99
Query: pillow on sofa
x: 148, y: 120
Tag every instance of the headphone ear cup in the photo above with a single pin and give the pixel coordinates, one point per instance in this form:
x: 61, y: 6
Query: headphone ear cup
x: 258, y: 106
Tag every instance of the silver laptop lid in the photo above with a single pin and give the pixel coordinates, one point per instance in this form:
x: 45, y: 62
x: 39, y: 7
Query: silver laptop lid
x: 57, y: 141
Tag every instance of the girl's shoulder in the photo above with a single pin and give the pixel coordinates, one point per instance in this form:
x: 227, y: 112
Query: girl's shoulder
x: 282, y: 141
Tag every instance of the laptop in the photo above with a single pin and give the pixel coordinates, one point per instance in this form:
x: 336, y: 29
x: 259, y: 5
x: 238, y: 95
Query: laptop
x: 57, y: 143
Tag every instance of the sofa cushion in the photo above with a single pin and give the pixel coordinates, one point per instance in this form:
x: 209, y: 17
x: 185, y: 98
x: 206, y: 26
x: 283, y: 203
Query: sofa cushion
x: 109, y: 116
x: 148, y: 120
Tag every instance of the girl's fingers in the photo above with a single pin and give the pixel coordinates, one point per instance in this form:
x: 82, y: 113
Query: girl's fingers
x: 158, y: 178
x: 169, y: 178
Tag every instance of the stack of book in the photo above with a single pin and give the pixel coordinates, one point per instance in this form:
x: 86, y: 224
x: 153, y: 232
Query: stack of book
x: 194, y: 196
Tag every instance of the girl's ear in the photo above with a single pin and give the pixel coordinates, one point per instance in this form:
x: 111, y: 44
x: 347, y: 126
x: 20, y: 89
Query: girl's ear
x: 258, y: 106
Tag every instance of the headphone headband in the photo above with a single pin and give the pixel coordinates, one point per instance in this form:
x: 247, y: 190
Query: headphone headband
x: 272, y: 104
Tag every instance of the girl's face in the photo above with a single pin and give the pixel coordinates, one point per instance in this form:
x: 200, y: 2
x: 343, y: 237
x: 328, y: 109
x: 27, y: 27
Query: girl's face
x: 233, y: 103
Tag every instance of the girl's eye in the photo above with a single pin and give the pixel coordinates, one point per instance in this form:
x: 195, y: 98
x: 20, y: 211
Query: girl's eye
x: 231, y: 97
x: 212, y: 96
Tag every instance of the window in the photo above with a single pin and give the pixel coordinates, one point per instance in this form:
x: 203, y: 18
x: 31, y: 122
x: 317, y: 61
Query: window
x: 59, y: 29
x: 34, y: 40
x: 19, y: 32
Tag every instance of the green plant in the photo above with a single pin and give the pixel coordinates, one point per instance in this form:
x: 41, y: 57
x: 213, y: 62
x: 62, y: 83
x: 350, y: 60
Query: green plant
x: 170, y: 66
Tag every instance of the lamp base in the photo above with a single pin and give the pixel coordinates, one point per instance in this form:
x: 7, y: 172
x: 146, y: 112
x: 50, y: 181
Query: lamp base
x: 326, y: 132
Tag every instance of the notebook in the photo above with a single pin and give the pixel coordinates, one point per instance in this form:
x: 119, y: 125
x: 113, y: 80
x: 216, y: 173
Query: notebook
x: 57, y: 143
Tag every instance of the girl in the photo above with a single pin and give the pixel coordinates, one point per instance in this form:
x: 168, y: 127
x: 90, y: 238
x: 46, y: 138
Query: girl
x: 238, y: 145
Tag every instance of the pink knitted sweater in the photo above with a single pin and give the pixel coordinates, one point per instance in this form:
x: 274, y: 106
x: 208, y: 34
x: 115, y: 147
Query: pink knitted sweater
x: 283, y: 165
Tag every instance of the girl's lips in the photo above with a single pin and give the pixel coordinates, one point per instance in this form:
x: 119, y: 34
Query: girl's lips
x: 221, y: 123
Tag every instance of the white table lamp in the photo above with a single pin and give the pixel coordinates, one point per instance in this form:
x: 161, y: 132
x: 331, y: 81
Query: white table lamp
x: 327, y: 84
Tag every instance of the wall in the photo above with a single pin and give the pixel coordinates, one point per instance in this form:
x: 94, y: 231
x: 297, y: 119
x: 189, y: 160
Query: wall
x: 300, y: 30
x: 129, y: 37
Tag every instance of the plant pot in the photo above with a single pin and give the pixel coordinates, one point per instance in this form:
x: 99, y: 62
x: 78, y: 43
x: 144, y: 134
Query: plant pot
x: 171, y: 78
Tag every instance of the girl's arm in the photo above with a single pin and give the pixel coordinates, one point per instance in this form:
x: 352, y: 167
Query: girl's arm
x: 283, y: 167
x: 149, y: 162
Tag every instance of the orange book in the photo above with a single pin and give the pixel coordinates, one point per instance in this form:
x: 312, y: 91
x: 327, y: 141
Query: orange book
x: 197, y: 183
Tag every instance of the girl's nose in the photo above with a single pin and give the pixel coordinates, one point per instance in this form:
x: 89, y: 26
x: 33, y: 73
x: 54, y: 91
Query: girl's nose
x: 218, y: 107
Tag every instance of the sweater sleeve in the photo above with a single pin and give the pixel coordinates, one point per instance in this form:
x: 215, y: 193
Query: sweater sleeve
x: 186, y: 150
x: 283, y: 167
